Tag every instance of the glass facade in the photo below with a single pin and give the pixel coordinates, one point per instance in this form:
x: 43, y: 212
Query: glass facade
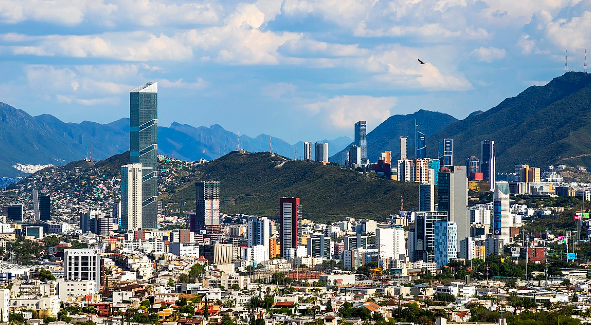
x: 361, y: 139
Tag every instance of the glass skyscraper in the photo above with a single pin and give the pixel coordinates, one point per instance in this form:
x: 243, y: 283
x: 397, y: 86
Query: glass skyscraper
x: 421, y: 145
x: 361, y: 139
x: 446, y: 153
x: 143, y: 147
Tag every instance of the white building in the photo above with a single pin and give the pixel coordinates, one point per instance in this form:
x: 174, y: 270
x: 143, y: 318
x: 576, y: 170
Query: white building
x: 82, y: 265
x: 180, y: 249
x: 255, y: 254
x: 131, y: 196
x: 321, y: 151
x: 391, y: 243
x: 258, y: 231
x: 4, y: 304
x: 70, y: 290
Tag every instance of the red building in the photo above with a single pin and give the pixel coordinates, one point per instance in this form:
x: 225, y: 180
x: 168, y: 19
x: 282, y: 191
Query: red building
x: 536, y: 255
x: 289, y: 223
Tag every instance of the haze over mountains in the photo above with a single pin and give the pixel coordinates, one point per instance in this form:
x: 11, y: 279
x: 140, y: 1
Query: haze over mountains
x: 543, y: 125
x: 45, y: 139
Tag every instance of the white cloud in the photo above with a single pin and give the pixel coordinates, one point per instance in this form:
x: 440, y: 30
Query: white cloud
x: 280, y: 90
x: 488, y: 54
x: 87, y: 101
x: 343, y: 111
x: 309, y: 47
x: 199, y: 84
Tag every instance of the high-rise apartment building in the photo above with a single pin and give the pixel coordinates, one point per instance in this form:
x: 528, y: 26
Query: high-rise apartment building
x: 488, y: 162
x: 354, y: 156
x: 207, y: 205
x: 258, y: 232
x: 289, y: 223
x: 452, y: 196
x: 423, y: 237
x: 82, y: 265
x: 421, y: 145
x: 307, y: 151
x: 131, y: 197
x: 36, y: 205
x: 143, y: 147
x: 403, y: 148
x: 446, y: 153
x: 361, y: 140
x: 391, y: 243
x: 321, y: 152
x: 319, y: 245
x: 446, y: 242
x: 502, y: 218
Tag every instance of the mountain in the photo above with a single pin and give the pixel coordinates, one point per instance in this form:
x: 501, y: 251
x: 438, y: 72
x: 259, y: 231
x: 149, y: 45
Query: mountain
x: 543, y: 125
x: 45, y: 139
x: 386, y: 135
x: 252, y: 183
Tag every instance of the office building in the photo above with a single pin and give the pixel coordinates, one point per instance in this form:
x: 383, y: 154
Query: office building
x: 502, y: 218
x: 406, y: 168
x: 320, y: 246
x: 446, y: 242
x: 307, y: 151
x: 446, y: 153
x: 83, y: 265
x: 452, y: 196
x: 423, y: 237
x: 435, y: 165
x: 421, y: 145
x: 289, y: 224
x: 472, y: 166
x: 403, y: 148
x: 427, y: 197
x: 88, y: 221
x: 131, y: 197
x: 103, y: 226
x: 15, y: 212
x: 354, y: 156
x: 207, y: 206
x: 391, y: 243
x: 143, y: 147
x: 488, y: 162
x: 361, y: 140
x: 321, y: 152
x: 258, y: 232
x: 44, y: 207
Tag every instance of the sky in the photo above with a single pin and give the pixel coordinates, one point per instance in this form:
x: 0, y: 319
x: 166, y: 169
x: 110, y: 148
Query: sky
x: 296, y: 69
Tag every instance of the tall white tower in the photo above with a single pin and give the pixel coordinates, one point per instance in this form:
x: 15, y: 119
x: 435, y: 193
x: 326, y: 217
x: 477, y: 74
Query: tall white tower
x: 131, y: 196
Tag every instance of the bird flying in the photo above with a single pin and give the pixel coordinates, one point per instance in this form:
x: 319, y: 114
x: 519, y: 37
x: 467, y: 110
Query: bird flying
x: 421, y: 62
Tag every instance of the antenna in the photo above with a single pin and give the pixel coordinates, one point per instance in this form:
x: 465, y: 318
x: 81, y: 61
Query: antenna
x: 565, y: 61
x: 295, y: 153
x: 416, y: 141
x: 270, y: 145
x: 585, y: 65
x: 238, y: 145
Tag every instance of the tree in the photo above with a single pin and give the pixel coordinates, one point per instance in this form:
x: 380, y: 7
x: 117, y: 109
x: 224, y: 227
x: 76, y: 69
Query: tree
x: 170, y: 282
x: 46, y: 275
x: 227, y: 320
x: 329, y: 305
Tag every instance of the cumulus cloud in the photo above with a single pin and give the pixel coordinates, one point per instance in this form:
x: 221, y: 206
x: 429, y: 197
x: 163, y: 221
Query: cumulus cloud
x: 488, y: 54
x: 87, y: 101
x: 279, y: 90
x: 343, y: 111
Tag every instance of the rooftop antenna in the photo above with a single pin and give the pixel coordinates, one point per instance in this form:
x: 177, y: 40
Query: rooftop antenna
x: 270, y: 145
x: 295, y: 153
x: 238, y: 146
x: 585, y: 65
x: 565, y: 61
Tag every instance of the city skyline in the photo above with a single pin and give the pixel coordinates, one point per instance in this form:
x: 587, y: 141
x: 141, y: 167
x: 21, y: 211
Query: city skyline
x: 283, y: 67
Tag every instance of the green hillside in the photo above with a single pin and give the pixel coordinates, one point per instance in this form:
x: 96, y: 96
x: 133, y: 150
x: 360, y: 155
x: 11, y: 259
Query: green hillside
x: 252, y: 183
x: 541, y: 126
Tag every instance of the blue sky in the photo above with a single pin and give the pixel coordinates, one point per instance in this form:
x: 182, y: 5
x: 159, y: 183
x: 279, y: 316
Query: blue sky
x: 298, y: 70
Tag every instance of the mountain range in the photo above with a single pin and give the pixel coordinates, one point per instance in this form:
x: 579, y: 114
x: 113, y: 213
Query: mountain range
x: 543, y: 125
x: 45, y: 139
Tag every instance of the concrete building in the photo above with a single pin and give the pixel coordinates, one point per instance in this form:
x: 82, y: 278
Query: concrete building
x: 131, y: 197
x: 82, y: 265
x: 307, y: 151
x: 321, y: 152
x: 289, y: 227
x: 391, y: 243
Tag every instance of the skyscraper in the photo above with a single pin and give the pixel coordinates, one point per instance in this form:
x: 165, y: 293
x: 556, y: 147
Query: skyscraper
x: 423, y: 239
x: 446, y: 153
x: 131, y: 197
x: 289, y: 227
x: 361, y: 140
x: 207, y: 205
x: 143, y: 146
x: 391, y: 243
x: 15, y: 212
x: 403, y: 148
x: 488, y: 162
x: 321, y: 152
x: 446, y: 243
x: 421, y: 145
x: 36, y: 205
x: 44, y: 207
x: 258, y: 232
x: 452, y: 196
x: 307, y: 151
x: 354, y: 156
x: 427, y: 197
x: 502, y: 219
